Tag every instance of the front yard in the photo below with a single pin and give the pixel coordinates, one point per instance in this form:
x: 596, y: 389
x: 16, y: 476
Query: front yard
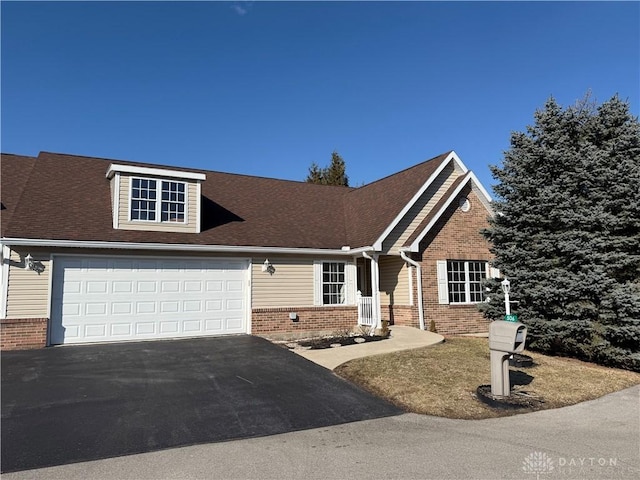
x: 442, y: 380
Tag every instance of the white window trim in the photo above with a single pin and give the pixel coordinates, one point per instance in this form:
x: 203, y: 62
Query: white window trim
x: 116, y: 200
x: 443, y: 281
x: 158, y: 201
x: 350, y: 275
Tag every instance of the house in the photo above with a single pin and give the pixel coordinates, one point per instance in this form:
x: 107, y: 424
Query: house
x: 100, y: 250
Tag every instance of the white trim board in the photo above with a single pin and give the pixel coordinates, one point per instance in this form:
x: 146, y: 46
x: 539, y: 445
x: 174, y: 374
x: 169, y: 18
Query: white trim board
x: 451, y: 157
x: 470, y: 177
x: 158, y: 172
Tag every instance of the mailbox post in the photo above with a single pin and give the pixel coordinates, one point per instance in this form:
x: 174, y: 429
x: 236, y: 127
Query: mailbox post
x: 505, y: 339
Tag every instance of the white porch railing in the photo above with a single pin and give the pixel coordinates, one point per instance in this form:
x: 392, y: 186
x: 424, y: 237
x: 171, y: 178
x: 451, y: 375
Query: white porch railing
x: 365, y: 310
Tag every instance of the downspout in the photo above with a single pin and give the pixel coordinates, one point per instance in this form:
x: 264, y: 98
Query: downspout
x: 410, y: 261
x: 375, y: 289
x: 5, y: 254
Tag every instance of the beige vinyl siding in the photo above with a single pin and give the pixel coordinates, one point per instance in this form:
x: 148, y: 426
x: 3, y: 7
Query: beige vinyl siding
x: 419, y: 210
x: 394, y: 281
x: 28, y: 291
x: 192, y: 210
x: 291, y: 285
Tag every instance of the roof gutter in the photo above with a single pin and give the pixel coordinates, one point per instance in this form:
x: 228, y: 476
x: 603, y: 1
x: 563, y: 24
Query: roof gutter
x: 403, y: 254
x: 31, y: 242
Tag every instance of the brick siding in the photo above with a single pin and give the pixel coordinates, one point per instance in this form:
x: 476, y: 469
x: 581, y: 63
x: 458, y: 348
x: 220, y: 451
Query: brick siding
x: 23, y: 333
x: 456, y: 236
x: 401, y: 315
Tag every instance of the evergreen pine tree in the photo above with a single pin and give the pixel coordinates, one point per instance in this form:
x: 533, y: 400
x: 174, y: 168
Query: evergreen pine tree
x: 334, y: 174
x: 316, y: 174
x: 337, y: 171
x: 567, y: 231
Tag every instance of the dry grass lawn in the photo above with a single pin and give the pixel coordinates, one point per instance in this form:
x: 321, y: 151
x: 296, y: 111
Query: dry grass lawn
x: 441, y: 380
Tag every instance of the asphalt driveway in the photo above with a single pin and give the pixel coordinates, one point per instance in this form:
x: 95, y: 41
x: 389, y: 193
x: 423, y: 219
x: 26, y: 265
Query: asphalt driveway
x: 71, y: 404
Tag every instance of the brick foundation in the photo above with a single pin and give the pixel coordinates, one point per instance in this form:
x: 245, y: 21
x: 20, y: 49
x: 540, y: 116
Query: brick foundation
x: 405, y: 315
x: 275, y: 322
x: 23, y: 333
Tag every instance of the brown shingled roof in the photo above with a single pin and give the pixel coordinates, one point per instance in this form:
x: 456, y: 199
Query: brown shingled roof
x: 14, y: 173
x: 370, y: 209
x: 67, y: 197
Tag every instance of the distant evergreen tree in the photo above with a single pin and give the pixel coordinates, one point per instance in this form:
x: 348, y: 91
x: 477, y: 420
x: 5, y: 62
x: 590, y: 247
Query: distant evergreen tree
x: 316, y: 174
x: 334, y: 174
x: 567, y: 231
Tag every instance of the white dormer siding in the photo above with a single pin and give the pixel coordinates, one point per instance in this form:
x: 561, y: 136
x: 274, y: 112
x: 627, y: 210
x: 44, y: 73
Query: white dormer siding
x: 122, y: 180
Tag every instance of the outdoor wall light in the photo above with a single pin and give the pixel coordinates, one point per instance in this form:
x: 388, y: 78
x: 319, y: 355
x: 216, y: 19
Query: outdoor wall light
x: 506, y: 286
x: 29, y: 263
x: 268, y: 267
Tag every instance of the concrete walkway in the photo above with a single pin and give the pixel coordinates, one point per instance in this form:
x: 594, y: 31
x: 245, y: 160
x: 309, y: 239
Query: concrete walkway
x: 402, y: 338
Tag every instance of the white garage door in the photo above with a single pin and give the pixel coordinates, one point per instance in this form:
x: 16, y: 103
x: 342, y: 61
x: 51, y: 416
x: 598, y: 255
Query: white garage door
x: 98, y: 299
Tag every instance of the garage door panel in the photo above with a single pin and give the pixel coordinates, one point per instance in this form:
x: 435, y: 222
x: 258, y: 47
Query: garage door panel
x: 214, y: 286
x: 121, y: 329
x: 170, y: 307
x: 193, y: 326
x: 95, y: 309
x: 169, y: 327
x: 192, y: 286
x: 146, y: 308
x: 72, y: 331
x: 120, y: 286
x: 192, y: 306
x: 234, y: 286
x: 121, y: 308
x: 169, y: 286
x: 146, y: 286
x: 235, y: 305
x: 214, y: 325
x: 213, y: 305
x: 123, y: 299
x: 71, y: 309
x: 234, y: 323
x: 96, y: 331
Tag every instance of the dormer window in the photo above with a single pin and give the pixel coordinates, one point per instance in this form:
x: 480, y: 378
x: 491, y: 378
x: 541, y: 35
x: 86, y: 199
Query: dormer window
x: 146, y: 207
x: 155, y: 199
x: 173, y: 202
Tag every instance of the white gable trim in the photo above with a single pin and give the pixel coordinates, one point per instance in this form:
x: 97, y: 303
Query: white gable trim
x: 485, y: 195
x: 452, y: 157
x: 154, y: 172
x: 469, y: 177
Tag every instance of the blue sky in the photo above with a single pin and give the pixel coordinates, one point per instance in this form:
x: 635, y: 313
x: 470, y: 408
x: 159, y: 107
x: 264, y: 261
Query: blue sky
x: 264, y: 88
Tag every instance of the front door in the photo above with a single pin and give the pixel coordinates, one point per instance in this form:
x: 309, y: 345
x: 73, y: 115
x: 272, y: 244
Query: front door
x: 364, y: 277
